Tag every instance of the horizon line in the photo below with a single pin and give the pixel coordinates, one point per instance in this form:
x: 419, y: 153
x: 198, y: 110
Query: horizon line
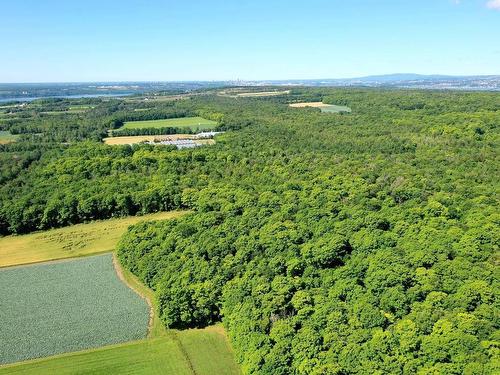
x: 253, y: 80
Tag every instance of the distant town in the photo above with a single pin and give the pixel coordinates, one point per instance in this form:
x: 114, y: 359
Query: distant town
x: 31, y: 91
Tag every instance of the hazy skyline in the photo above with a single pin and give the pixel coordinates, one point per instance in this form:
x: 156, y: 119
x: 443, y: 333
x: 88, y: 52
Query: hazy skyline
x: 61, y: 41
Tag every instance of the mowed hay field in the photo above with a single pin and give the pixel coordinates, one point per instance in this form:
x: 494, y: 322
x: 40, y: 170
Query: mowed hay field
x: 194, y: 123
x: 238, y: 93
x: 262, y: 94
x: 129, y: 140
x: 134, y: 139
x: 67, y: 306
x: 144, y: 357
x: 209, y: 351
x: 69, y: 242
x: 328, y: 108
x: 191, y: 352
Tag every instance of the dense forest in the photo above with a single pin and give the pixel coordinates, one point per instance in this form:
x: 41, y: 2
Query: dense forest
x: 362, y: 243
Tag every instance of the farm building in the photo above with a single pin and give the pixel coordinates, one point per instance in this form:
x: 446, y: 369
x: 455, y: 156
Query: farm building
x: 179, y: 143
x: 206, y: 135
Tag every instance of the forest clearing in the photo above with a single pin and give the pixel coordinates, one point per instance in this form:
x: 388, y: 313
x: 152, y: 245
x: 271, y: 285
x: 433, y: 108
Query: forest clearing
x: 194, y: 123
x: 324, y: 107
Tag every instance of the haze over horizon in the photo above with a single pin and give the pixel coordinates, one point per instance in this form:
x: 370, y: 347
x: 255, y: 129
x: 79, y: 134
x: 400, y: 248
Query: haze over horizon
x: 119, y: 41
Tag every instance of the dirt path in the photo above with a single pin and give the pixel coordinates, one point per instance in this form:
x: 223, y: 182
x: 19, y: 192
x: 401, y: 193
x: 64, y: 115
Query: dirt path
x: 185, y: 354
x: 172, y: 334
x: 119, y: 272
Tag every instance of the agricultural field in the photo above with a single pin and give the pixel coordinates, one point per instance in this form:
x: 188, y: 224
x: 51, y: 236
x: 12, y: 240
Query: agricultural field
x: 327, y: 108
x: 69, y: 242
x: 129, y: 140
x: 194, y: 123
x: 53, y: 113
x: 6, y: 137
x: 72, y: 109
x: 137, y: 344
x: 190, y: 352
x: 262, y: 94
x: 67, y: 306
x: 136, y: 139
x: 159, y: 98
x: 235, y: 93
x: 79, y: 108
x: 209, y: 351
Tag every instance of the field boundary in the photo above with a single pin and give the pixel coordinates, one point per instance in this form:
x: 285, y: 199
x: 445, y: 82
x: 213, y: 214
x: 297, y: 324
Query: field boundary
x: 56, y: 260
x: 69, y: 354
x: 119, y: 273
x: 73, y: 241
x: 49, y: 287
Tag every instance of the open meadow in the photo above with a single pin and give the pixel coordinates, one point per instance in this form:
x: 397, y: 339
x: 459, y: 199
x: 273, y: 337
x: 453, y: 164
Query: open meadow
x: 66, y: 306
x: 135, y: 139
x: 327, y: 108
x: 190, y: 352
x: 239, y: 93
x: 129, y: 139
x: 261, y: 94
x: 69, y: 242
x: 193, y: 123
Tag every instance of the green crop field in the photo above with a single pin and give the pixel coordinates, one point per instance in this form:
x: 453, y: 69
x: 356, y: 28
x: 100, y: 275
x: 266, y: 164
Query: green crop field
x: 55, y: 297
x: 69, y: 242
x: 169, y: 352
x: 66, y: 306
x: 191, y: 352
x: 195, y: 123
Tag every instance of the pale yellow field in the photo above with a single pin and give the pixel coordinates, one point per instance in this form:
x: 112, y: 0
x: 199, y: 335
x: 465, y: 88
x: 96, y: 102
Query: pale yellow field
x: 262, y: 93
x: 238, y: 93
x: 131, y: 140
x: 69, y: 242
x: 327, y: 108
x: 310, y: 104
x: 134, y: 139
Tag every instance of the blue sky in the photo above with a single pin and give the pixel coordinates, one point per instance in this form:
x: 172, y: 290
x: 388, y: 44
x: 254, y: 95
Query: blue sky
x: 116, y: 40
